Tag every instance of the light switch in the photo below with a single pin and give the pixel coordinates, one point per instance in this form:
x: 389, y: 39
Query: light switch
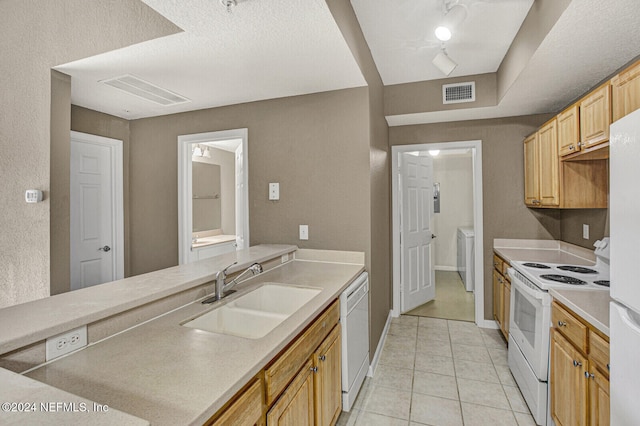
x: 585, y: 231
x: 304, y: 232
x: 274, y: 191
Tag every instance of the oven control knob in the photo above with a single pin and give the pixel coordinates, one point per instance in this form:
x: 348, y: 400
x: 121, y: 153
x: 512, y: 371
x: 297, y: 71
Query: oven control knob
x: 577, y: 363
x: 561, y: 323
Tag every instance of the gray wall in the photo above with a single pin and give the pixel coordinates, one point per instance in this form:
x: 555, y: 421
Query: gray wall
x: 505, y: 215
x: 34, y: 37
x: 378, y: 265
x: 315, y: 146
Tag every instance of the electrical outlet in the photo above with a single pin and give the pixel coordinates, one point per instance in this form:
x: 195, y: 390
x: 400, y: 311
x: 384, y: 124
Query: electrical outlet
x: 304, y: 232
x: 585, y: 231
x: 274, y: 191
x: 65, y: 343
x: 284, y: 258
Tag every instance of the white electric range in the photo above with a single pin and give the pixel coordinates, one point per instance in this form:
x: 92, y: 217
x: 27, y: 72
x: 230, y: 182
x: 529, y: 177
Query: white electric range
x: 530, y: 319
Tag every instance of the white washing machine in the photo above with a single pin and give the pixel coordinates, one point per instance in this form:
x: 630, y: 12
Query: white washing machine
x: 466, y: 236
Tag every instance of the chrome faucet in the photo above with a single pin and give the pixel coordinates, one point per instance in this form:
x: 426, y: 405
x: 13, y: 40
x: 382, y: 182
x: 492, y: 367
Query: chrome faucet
x: 221, y: 287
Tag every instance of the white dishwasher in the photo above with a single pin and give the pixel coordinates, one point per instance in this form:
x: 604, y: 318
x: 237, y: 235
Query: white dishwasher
x: 354, y: 316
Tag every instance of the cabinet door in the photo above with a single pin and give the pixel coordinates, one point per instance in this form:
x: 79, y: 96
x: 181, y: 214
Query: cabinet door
x: 246, y: 410
x: 595, y: 117
x: 569, y: 131
x: 496, y: 296
x: 328, y: 380
x: 598, y: 399
x: 568, y: 384
x: 548, y: 168
x: 295, y: 406
x: 531, y: 182
x: 506, y: 309
x: 626, y: 92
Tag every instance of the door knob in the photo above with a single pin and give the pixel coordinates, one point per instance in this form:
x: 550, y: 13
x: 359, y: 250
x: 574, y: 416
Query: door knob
x: 433, y: 236
x: 105, y: 248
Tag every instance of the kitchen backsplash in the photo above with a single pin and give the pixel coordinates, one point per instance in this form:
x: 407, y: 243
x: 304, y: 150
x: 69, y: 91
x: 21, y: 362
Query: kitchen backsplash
x: 571, y: 223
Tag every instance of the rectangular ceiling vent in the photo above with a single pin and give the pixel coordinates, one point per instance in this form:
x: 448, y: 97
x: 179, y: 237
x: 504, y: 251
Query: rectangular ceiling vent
x: 459, y: 93
x: 145, y: 90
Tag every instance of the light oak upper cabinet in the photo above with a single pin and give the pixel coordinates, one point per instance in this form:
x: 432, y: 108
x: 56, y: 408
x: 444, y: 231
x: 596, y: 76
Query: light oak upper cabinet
x: 541, y: 167
x: 569, y: 130
x: 626, y: 91
x: 531, y: 182
x: 548, y: 149
x: 595, y: 117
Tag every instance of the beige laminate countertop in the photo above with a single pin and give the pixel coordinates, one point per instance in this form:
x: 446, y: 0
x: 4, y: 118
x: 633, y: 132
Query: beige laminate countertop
x: 591, y: 305
x: 31, y: 322
x: 169, y: 374
x: 545, y: 251
x: 21, y: 393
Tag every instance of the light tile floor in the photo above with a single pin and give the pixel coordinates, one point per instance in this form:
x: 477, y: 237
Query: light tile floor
x: 440, y: 372
x: 452, y: 300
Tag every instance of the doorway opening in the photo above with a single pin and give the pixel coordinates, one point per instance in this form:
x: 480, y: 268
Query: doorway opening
x: 461, y: 217
x: 213, y: 194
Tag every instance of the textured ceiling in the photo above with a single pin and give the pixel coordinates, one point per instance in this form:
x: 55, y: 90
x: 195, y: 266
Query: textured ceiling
x: 400, y: 34
x: 264, y: 49
x: 590, y: 41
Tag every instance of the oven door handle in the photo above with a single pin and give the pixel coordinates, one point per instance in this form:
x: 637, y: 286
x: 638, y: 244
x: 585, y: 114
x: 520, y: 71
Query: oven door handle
x: 522, y: 287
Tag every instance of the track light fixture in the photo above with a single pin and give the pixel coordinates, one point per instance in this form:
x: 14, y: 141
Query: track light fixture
x: 444, y: 63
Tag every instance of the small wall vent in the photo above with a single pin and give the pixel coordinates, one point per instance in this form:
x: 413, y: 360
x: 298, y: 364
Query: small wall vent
x: 459, y: 93
x: 145, y: 90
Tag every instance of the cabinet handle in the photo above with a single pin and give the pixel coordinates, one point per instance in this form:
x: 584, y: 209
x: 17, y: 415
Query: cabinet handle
x: 579, y: 143
x: 577, y: 363
x: 561, y: 324
x: 571, y: 148
x: 608, y: 367
x: 589, y: 375
x: 314, y: 369
x: 322, y: 357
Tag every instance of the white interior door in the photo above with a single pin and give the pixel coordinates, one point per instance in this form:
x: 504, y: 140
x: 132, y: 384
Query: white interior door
x: 416, y: 203
x: 95, y: 211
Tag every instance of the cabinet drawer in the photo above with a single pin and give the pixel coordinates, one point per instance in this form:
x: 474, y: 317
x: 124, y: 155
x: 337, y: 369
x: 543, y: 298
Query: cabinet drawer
x: 599, y: 351
x: 246, y: 410
x: 282, y: 371
x: 497, y: 263
x: 572, y: 328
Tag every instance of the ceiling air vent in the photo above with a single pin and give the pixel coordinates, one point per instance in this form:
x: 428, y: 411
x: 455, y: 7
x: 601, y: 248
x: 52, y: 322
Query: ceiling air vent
x: 145, y: 90
x: 459, y: 92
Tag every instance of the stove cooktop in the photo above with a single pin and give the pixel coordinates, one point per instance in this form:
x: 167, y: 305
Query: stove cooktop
x: 550, y: 275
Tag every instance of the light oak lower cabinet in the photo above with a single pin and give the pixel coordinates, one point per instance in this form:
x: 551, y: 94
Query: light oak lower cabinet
x: 568, y: 383
x: 501, y: 294
x: 295, y: 406
x: 579, y: 378
x: 327, y: 379
x: 301, y: 386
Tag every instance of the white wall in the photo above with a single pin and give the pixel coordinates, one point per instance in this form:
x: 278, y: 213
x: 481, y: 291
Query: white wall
x: 455, y: 174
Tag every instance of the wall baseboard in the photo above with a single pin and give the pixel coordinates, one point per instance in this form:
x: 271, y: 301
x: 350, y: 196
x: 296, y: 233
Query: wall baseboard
x: 376, y: 356
x: 445, y: 268
x: 488, y: 324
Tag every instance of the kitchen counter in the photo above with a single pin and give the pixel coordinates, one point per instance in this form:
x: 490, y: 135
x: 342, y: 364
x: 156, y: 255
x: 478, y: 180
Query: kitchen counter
x: 169, y: 374
x: 37, y: 320
x: 25, y: 391
x: 591, y: 305
x: 545, y: 251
